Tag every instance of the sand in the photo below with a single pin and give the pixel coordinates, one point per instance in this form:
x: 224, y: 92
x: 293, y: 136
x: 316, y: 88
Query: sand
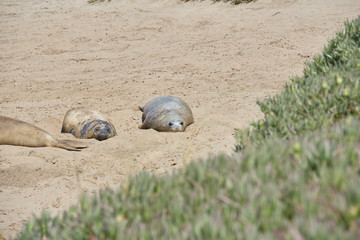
x: 114, y: 56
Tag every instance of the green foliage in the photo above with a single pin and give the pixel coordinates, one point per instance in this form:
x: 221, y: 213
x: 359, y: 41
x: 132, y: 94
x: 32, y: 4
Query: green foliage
x: 328, y: 91
x: 305, y: 187
x: 341, y: 52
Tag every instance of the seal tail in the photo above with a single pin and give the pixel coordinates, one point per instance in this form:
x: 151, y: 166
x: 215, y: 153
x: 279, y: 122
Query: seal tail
x: 71, y: 145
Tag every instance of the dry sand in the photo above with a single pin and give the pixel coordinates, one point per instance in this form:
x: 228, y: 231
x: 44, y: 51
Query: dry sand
x: 114, y: 56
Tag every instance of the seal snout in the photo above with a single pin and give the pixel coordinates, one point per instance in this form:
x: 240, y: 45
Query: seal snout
x: 176, y: 126
x: 102, y: 132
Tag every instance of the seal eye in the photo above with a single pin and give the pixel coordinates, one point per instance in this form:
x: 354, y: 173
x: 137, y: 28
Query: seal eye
x: 96, y: 130
x: 170, y: 124
x: 181, y: 123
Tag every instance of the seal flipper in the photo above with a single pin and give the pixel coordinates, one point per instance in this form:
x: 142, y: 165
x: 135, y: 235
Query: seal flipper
x: 74, y: 144
x: 143, y: 117
x: 72, y: 131
x: 144, y: 125
x: 66, y: 146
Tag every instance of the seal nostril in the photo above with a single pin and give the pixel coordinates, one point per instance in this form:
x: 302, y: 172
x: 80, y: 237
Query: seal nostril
x: 101, y: 137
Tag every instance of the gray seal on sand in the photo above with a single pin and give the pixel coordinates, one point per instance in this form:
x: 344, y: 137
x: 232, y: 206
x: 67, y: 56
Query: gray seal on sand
x: 19, y: 133
x: 83, y: 123
x: 166, y: 114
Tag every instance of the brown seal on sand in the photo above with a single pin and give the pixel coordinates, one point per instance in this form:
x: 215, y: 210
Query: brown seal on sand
x: 166, y: 114
x: 83, y: 123
x: 19, y: 133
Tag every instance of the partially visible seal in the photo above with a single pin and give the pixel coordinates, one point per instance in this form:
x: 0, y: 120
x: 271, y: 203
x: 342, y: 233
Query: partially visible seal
x: 19, y: 133
x: 83, y: 123
x: 166, y: 114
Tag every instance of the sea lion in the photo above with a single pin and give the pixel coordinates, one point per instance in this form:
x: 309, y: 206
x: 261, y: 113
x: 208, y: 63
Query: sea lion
x: 19, y: 133
x: 83, y: 123
x: 166, y: 114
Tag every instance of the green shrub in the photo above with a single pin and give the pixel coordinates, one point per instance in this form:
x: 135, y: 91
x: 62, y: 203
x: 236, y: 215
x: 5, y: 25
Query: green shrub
x: 341, y: 51
x: 328, y: 91
x: 307, y: 186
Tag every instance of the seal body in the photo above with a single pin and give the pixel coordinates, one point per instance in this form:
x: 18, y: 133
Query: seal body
x: 166, y: 114
x: 19, y: 133
x: 83, y: 123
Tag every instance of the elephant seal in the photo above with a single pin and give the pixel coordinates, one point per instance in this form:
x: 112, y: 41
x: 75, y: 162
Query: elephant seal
x: 19, y: 133
x: 166, y: 114
x: 83, y: 123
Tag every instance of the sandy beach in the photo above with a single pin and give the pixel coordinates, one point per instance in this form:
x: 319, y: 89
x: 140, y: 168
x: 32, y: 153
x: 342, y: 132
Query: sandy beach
x: 114, y: 56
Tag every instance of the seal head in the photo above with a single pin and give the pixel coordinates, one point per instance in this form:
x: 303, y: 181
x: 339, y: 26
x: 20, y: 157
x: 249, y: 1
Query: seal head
x: 85, y: 124
x: 176, y: 126
x: 100, y: 129
x: 166, y: 114
x: 167, y: 122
